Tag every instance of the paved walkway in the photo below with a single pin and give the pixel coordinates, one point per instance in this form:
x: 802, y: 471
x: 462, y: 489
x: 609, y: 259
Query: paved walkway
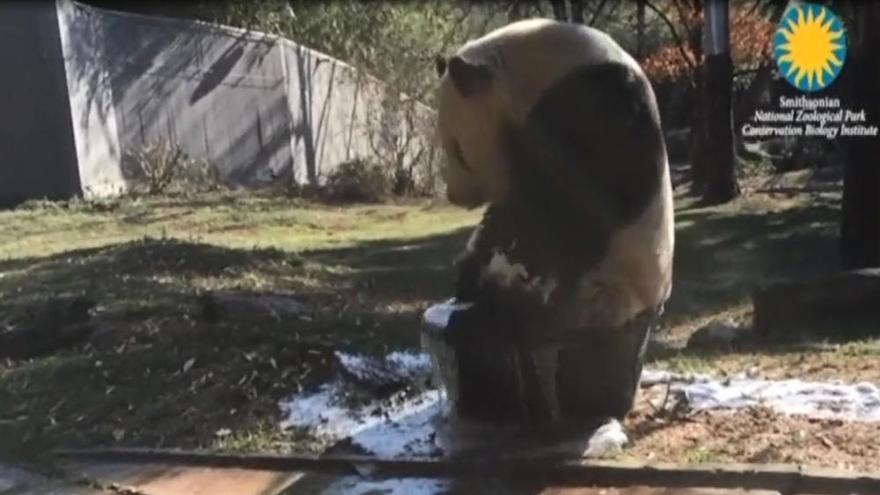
x: 158, y: 479
x: 18, y: 481
x: 163, y: 479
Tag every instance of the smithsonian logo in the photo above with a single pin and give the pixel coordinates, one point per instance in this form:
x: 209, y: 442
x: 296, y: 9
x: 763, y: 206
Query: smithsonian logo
x: 809, y: 46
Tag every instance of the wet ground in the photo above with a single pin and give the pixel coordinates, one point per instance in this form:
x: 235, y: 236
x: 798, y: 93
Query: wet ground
x: 692, y: 418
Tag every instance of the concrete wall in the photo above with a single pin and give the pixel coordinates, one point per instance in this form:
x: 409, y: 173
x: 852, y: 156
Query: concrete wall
x: 91, y: 105
x: 258, y: 107
x: 37, y: 157
x: 340, y: 114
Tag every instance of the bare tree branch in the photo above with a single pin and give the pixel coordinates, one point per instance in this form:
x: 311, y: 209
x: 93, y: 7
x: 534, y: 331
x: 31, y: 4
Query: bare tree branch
x: 559, y: 12
x: 514, y: 10
x: 678, y: 40
x: 679, y: 9
x: 754, y: 8
x: 597, y: 12
x: 538, y: 8
x: 447, y: 38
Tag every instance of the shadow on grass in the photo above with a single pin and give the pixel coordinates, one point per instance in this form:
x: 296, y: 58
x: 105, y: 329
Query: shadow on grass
x: 721, y: 256
x: 131, y: 384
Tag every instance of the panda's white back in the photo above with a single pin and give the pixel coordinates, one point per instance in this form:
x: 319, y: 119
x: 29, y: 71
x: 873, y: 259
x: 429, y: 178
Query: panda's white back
x: 529, y: 56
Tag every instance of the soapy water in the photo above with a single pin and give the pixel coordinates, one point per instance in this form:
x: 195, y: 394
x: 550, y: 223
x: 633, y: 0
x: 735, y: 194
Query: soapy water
x: 400, y: 425
x: 406, y: 423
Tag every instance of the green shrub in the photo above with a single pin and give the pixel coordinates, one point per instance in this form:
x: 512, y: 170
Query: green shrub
x: 357, y: 181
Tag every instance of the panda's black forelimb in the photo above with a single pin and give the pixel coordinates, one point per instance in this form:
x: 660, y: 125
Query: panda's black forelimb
x: 467, y: 281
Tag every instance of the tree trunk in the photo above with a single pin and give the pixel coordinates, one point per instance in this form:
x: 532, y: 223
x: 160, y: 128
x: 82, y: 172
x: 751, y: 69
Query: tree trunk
x: 559, y: 11
x: 698, y: 136
x: 577, y: 11
x: 516, y: 10
x: 640, y: 29
x: 860, y: 226
x: 698, y: 119
x: 721, y: 184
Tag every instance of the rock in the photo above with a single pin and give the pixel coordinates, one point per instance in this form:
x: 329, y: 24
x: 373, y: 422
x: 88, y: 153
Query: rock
x: 719, y: 334
x: 46, y: 326
x: 240, y: 305
x: 610, y: 438
x: 806, y: 303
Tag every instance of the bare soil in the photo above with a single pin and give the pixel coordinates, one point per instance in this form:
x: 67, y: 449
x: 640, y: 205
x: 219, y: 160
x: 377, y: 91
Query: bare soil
x: 755, y: 435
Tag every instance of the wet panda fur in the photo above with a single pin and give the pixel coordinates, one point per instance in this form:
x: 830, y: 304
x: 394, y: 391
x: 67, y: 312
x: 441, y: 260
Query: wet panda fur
x: 556, y: 128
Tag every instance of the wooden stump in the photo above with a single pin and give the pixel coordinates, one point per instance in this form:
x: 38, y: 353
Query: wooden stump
x: 46, y: 326
x: 575, y: 376
x: 250, y: 306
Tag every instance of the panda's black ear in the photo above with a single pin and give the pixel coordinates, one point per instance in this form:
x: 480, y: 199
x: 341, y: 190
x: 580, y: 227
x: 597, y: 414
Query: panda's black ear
x: 469, y: 78
x: 440, y: 65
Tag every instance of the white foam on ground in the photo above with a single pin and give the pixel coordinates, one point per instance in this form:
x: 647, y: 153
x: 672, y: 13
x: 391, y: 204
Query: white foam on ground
x: 402, y: 366
x: 821, y: 400
x: 401, y: 425
x: 417, y: 363
x: 409, y: 432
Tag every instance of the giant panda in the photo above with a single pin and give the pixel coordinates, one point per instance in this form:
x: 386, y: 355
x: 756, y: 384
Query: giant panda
x: 555, y: 128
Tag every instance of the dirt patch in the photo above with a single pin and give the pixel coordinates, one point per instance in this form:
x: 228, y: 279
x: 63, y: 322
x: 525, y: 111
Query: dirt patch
x: 756, y: 435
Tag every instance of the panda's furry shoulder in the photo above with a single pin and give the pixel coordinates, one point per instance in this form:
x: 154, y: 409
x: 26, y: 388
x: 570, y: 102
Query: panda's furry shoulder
x: 528, y: 57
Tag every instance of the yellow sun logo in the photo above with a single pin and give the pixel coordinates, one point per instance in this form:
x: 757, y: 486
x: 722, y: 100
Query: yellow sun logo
x: 809, y: 46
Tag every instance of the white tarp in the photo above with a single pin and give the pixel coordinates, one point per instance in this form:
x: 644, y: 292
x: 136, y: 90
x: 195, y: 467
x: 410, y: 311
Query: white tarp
x: 850, y: 402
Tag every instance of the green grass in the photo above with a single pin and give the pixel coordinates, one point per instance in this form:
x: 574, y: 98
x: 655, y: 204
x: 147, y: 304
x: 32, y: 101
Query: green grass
x: 233, y: 221
x: 701, y: 455
x: 366, y: 273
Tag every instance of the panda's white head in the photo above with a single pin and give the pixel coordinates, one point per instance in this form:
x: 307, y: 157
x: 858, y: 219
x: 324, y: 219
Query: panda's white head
x: 495, y: 81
